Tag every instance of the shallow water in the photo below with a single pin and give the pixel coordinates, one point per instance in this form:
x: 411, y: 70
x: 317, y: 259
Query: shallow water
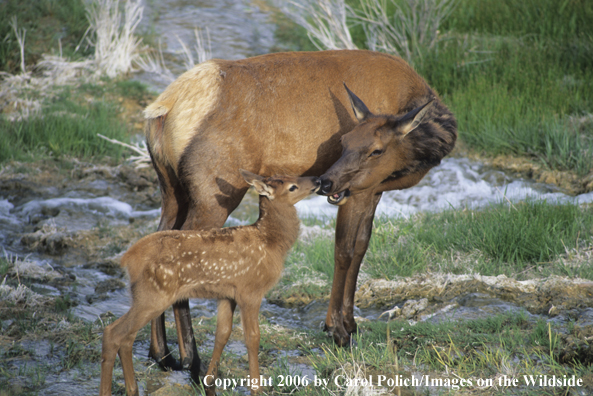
x: 237, y: 29
x: 81, y: 206
x: 456, y: 183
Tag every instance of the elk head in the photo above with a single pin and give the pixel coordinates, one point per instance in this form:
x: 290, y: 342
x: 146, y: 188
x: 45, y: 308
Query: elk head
x: 371, y: 152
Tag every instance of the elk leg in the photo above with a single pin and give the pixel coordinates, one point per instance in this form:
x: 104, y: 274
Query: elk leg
x: 361, y: 245
x: 224, y: 326
x: 188, y: 353
x: 174, y: 208
x: 158, y: 345
x: 351, y: 218
x: 250, y: 320
x: 203, y: 213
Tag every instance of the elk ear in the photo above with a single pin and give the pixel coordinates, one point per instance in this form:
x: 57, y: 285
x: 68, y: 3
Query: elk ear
x: 361, y: 111
x: 412, y: 119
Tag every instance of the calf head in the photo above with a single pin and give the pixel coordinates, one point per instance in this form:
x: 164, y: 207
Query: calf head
x: 372, y: 151
x: 287, y: 189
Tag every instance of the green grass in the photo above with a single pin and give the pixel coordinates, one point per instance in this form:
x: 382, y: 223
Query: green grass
x: 65, y: 127
x: 48, y: 23
x: 508, y: 344
x: 547, y: 18
x: 523, y: 240
x: 505, y: 239
x: 515, y: 74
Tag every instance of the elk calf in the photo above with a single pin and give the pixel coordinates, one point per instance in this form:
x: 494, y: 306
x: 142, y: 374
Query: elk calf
x: 236, y: 265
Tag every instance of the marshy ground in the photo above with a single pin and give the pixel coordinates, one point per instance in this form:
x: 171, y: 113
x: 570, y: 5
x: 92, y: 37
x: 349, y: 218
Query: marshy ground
x: 474, y: 297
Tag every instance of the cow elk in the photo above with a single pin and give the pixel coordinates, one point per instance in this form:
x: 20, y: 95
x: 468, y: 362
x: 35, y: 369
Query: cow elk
x: 290, y: 113
x: 236, y: 266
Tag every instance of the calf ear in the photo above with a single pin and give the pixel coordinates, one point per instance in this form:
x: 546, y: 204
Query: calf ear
x: 258, y: 183
x: 412, y: 119
x: 250, y: 177
x: 264, y: 189
x: 361, y: 111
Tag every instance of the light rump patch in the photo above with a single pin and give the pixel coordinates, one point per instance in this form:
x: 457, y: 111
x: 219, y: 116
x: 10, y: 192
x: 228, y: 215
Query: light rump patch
x: 185, y: 105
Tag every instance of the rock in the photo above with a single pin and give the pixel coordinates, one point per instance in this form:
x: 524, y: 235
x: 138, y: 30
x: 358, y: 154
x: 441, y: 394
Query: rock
x: 48, y: 239
x: 576, y: 347
x: 173, y: 390
x: 110, y: 266
x: 553, y: 311
x: 536, y: 295
x: 109, y: 285
x: 103, y: 289
x: 131, y: 176
x: 413, y: 307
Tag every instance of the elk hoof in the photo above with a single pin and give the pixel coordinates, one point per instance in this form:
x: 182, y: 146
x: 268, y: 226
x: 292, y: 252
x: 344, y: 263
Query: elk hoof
x: 350, y: 326
x: 340, y: 336
x: 167, y: 362
x: 342, y: 340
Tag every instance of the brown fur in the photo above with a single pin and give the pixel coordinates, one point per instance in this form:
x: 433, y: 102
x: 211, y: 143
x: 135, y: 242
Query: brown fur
x: 235, y: 265
x: 289, y: 113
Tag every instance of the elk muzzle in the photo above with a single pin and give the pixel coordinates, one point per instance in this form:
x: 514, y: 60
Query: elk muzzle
x: 336, y: 198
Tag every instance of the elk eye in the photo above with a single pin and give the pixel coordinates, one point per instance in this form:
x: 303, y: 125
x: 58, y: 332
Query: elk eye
x: 376, y: 153
x: 293, y: 188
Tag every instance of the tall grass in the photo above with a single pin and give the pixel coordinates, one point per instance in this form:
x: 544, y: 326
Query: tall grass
x: 116, y: 46
x: 66, y: 128
x: 516, y: 74
x: 532, y: 235
x: 555, y: 19
x: 49, y: 24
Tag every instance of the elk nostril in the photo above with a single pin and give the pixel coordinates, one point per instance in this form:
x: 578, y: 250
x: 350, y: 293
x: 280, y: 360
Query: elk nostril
x: 317, y: 182
x: 326, y: 186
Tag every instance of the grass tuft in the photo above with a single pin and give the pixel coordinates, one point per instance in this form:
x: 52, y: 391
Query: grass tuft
x: 65, y: 128
x: 534, y: 235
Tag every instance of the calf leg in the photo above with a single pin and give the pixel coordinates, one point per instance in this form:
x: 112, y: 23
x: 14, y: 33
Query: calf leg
x: 127, y: 363
x: 250, y: 320
x: 224, y: 326
x: 119, y: 337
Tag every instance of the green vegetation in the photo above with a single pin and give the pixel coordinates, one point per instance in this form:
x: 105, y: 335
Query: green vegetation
x: 507, y: 344
x: 523, y: 240
x: 45, y: 113
x: 49, y: 24
x: 517, y: 75
x: 531, y: 236
x: 65, y: 127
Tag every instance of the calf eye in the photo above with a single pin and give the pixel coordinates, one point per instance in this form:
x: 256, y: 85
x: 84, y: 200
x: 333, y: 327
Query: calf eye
x: 376, y: 153
x: 293, y: 188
